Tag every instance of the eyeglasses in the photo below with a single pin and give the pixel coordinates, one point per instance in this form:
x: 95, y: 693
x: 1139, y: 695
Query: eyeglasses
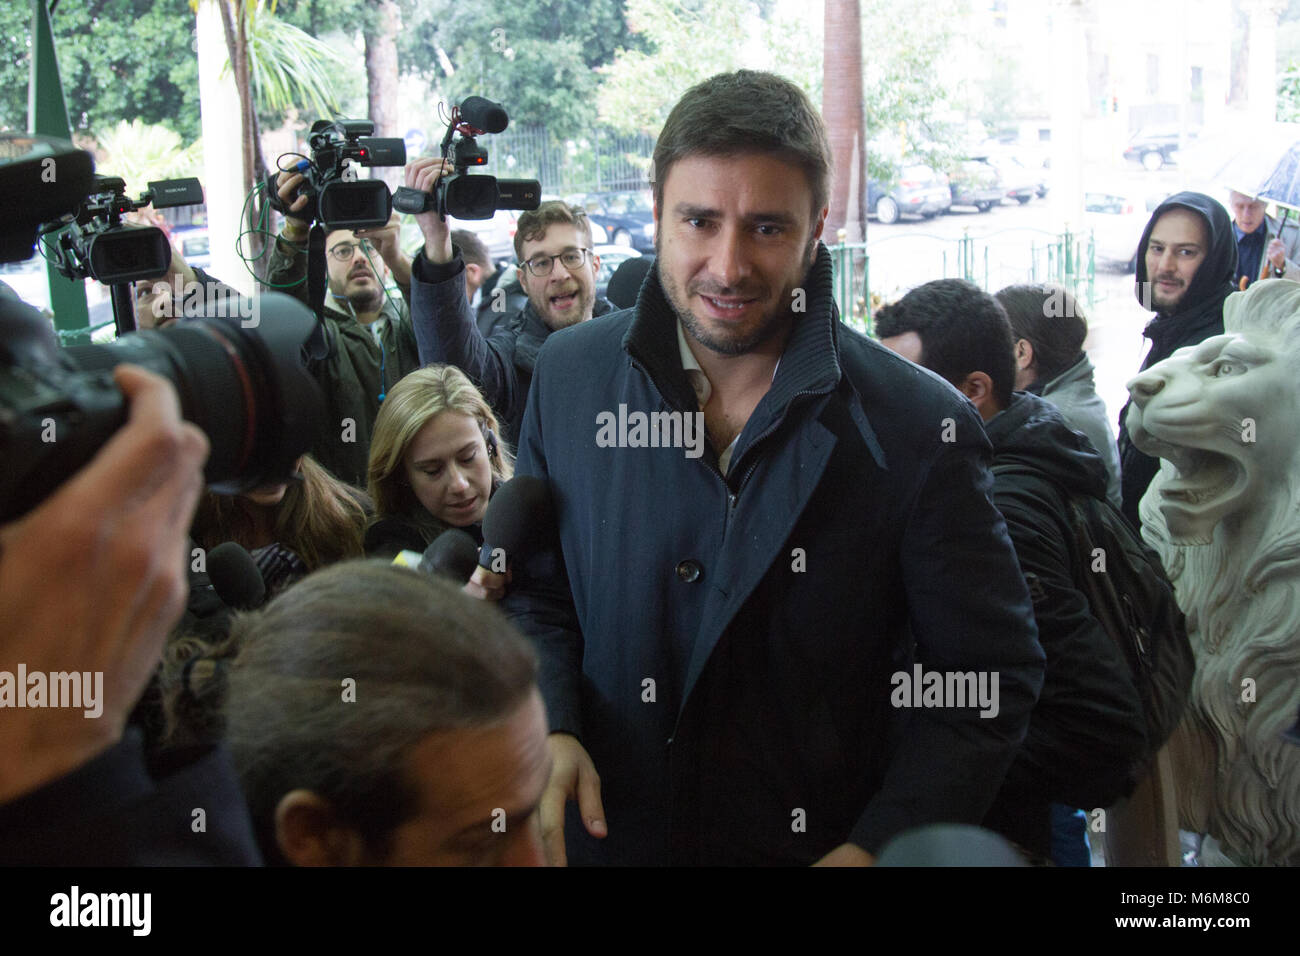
x: 344, y: 251
x: 541, y: 266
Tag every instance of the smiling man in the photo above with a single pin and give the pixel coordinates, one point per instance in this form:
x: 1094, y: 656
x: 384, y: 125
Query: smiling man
x: 1187, y: 263
x: 718, y: 632
x: 557, y: 270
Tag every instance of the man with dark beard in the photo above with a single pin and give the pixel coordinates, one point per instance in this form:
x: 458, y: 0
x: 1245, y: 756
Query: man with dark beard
x: 720, y: 623
x: 1186, y: 265
x: 557, y: 270
x: 371, y: 342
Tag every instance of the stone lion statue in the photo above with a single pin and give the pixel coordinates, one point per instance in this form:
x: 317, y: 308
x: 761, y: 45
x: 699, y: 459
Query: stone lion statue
x: 1224, y: 515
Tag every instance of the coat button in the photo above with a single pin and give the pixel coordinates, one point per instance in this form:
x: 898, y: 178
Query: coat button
x: 689, y: 571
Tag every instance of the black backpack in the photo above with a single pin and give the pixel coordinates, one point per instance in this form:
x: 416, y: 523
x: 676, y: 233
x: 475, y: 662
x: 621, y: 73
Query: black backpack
x: 1133, y: 599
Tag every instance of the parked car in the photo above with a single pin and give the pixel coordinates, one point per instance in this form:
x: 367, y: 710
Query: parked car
x: 626, y: 217
x: 192, y: 241
x: 611, y: 257
x: 976, y: 183
x: 1116, y: 222
x: 917, y: 191
x: 1154, y: 149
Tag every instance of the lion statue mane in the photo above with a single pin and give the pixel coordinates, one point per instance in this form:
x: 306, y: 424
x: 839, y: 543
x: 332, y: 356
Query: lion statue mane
x: 1224, y: 516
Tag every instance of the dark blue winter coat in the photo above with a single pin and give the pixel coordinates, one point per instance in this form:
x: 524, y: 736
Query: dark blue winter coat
x: 770, y: 607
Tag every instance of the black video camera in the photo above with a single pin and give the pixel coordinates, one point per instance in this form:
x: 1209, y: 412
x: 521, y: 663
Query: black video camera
x: 336, y: 199
x: 97, y: 245
x: 247, y: 388
x: 463, y: 195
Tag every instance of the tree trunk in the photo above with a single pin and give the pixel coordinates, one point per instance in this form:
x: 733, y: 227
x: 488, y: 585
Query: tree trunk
x: 381, y: 78
x: 234, y: 19
x: 1238, y: 81
x: 842, y: 108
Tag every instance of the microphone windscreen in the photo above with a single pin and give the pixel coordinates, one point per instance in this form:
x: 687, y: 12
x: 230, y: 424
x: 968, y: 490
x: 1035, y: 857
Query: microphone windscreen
x: 387, y: 536
x: 235, y: 577
x: 517, y: 514
x: 482, y: 113
x: 452, y: 555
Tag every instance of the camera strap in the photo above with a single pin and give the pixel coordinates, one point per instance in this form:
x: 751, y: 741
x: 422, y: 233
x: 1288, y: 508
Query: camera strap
x: 317, y: 278
x: 320, y: 346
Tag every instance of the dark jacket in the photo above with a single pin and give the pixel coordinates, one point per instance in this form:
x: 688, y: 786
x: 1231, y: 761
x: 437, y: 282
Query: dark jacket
x: 355, y: 373
x: 502, y: 365
x: 114, y: 810
x: 1087, y: 728
x: 724, y: 647
x: 1197, y: 316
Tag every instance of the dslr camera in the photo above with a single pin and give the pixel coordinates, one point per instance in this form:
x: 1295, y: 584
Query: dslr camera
x: 463, y: 195
x: 335, y: 197
x: 248, y: 390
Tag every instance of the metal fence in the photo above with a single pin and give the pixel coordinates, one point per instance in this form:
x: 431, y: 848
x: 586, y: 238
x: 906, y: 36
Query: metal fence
x: 1066, y: 259
x: 597, y: 161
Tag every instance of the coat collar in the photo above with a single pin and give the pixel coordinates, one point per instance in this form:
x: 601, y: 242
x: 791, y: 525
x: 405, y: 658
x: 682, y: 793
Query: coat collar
x: 533, y: 332
x: 809, y: 364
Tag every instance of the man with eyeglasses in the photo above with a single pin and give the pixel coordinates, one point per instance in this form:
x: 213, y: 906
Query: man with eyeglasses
x: 372, y: 340
x: 557, y: 272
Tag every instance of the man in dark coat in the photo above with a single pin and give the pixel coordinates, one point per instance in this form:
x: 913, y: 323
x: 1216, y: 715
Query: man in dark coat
x: 559, y: 295
x: 1186, y: 264
x: 1087, y: 729
x: 735, y: 631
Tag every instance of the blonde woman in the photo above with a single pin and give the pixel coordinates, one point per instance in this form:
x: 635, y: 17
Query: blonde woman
x: 435, y: 460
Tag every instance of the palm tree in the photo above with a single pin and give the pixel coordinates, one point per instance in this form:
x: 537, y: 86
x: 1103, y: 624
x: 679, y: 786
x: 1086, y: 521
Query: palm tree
x: 277, y: 67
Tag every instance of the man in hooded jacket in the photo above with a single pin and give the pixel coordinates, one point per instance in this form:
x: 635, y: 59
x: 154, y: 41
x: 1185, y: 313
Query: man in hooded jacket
x: 1186, y: 263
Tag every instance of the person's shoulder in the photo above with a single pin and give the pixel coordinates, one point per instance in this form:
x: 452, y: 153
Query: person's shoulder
x: 602, y: 332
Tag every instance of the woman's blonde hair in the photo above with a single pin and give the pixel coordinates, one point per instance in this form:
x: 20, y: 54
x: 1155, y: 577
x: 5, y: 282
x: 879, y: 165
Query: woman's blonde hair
x: 321, y: 519
x: 411, y: 404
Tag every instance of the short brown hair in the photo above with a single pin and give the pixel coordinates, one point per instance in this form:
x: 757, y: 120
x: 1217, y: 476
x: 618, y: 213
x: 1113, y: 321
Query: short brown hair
x: 534, y: 223
x: 746, y: 112
x: 472, y: 249
x: 424, y: 656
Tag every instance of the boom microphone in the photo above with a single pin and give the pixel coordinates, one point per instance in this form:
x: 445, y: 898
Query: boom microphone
x: 235, y: 577
x: 517, y: 517
x: 481, y: 113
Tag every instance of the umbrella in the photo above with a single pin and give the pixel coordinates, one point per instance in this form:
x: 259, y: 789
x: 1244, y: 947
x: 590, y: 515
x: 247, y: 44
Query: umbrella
x: 1245, y: 159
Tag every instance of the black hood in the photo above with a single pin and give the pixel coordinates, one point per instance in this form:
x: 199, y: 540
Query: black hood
x: 1031, y: 434
x: 1213, y: 280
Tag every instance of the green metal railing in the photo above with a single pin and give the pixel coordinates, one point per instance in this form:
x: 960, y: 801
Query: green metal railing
x: 1067, y: 259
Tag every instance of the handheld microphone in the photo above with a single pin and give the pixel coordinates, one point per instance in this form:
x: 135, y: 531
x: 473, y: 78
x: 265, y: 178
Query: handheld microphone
x: 517, y: 518
x: 453, y: 555
x: 235, y: 577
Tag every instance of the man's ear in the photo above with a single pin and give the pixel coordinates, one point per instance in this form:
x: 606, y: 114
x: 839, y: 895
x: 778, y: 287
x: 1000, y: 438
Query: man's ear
x: 308, y: 833
x: 1024, y: 354
x: 978, y: 387
x: 819, y: 226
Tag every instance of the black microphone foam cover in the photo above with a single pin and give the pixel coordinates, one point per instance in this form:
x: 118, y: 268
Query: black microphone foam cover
x: 235, y: 577
x: 518, y: 515
x: 387, y: 536
x: 452, y: 555
x: 482, y: 113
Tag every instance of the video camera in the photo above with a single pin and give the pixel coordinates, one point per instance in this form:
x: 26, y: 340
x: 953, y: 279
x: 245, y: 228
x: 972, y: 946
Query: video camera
x: 336, y: 198
x: 248, y: 390
x: 98, y: 245
x: 463, y: 195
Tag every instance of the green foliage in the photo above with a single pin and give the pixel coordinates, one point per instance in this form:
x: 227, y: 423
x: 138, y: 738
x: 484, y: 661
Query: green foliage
x: 905, y: 103
x: 690, y: 40
x: 288, y: 68
x: 140, y: 153
x: 118, y: 58
x: 1288, y: 94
